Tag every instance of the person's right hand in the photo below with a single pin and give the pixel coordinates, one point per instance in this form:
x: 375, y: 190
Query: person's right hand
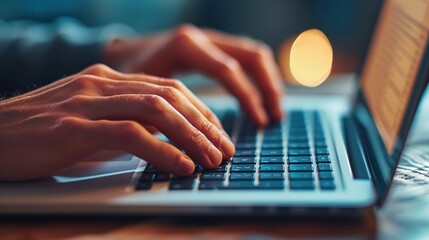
x: 52, y: 128
x: 226, y: 58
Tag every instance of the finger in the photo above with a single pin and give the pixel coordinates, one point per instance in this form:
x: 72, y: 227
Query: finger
x: 195, y: 50
x: 156, y: 111
x: 112, y: 74
x: 259, y: 60
x: 180, y: 103
x: 189, y: 95
x: 127, y: 136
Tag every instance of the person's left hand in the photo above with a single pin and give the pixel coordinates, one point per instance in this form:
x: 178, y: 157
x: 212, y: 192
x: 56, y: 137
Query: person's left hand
x: 224, y: 57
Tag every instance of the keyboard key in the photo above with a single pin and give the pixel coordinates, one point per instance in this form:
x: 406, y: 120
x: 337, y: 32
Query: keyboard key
x: 220, y: 168
x: 272, y: 152
x: 275, y: 137
x: 246, y: 139
x: 162, y: 177
x: 151, y: 169
x: 277, y: 131
x: 324, y: 167
x: 299, y: 152
x: 323, y: 159
x: 300, y: 168
x: 242, y: 168
x: 242, y: 176
x: 244, y: 145
x: 298, y: 139
x: 319, y: 138
x: 209, y: 185
x: 295, y: 145
x: 322, y: 151
x: 299, y: 159
x: 212, y: 176
x: 272, y: 160
x: 182, y: 183
x: 272, y: 140
x: 301, y: 175
x: 145, y: 185
x: 238, y: 185
x: 274, y: 126
x: 271, y: 176
x: 271, y: 168
x: 272, y: 145
x: 147, y: 177
x: 327, y: 185
x: 243, y: 160
x: 198, y: 168
x: 301, y: 184
x: 320, y: 144
x: 326, y: 175
x: 245, y: 153
x: 272, y: 184
x: 228, y: 121
x: 299, y: 131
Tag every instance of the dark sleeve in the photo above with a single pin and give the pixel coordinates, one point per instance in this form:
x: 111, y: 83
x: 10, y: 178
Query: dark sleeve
x: 35, y: 54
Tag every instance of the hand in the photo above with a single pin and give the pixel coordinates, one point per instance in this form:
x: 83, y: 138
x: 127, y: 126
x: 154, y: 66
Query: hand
x: 49, y: 129
x: 225, y: 57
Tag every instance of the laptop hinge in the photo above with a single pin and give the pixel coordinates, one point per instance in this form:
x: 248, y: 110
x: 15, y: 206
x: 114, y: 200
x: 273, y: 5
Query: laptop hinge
x: 355, y: 149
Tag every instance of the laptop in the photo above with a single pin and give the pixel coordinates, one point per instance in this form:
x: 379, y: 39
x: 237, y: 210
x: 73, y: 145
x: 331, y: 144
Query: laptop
x: 332, y: 155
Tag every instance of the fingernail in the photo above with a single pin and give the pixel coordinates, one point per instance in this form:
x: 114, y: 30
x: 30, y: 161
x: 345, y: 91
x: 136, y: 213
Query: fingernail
x: 228, y: 147
x: 186, y: 165
x: 215, y: 155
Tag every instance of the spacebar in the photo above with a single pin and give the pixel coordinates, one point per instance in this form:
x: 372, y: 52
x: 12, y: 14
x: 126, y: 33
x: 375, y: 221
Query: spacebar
x: 250, y: 185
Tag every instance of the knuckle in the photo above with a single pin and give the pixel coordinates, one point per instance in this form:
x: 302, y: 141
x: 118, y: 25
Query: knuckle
x: 206, y: 126
x: 97, y: 69
x: 214, y: 133
x: 208, y: 113
x: 85, y: 81
x: 184, y: 34
x: 184, y: 30
x: 157, y: 103
x: 176, y: 84
x: 67, y: 124
x: 128, y: 128
x: 211, y: 116
x: 229, y: 67
x: 262, y: 52
x: 209, y: 129
x: 196, y: 136
x: 171, y: 94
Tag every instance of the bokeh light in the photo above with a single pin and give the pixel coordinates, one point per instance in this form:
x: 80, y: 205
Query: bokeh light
x: 308, y: 59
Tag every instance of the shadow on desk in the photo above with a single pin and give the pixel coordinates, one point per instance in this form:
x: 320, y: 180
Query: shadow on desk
x: 114, y: 227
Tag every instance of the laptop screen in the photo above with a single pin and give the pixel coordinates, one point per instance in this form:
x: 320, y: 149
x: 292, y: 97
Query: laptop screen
x: 391, y: 68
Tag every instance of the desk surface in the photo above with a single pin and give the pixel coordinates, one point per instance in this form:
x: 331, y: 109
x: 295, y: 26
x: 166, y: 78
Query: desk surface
x: 405, y: 215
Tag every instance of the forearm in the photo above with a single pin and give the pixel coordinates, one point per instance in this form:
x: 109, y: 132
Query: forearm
x: 34, y: 54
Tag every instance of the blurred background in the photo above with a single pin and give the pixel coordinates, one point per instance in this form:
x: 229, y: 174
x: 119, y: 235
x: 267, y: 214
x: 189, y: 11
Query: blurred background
x: 347, y: 24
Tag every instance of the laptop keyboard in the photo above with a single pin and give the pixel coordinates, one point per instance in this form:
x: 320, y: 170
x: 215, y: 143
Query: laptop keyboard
x: 265, y: 159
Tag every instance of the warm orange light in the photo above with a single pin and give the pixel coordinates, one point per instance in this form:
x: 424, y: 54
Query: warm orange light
x: 311, y: 58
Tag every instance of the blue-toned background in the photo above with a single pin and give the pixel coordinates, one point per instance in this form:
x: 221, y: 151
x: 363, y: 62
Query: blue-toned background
x: 346, y: 23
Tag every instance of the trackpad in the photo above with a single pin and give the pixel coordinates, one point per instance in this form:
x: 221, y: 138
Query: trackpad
x: 124, y: 164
